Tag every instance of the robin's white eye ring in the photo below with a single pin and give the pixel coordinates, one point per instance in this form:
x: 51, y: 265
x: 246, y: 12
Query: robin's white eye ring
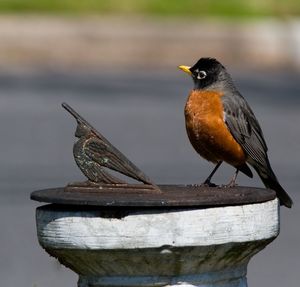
x: 201, y: 75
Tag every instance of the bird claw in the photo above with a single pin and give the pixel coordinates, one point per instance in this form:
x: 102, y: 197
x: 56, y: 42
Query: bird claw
x: 229, y: 185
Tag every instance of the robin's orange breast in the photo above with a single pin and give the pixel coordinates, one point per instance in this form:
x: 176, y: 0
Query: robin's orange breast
x: 207, y: 130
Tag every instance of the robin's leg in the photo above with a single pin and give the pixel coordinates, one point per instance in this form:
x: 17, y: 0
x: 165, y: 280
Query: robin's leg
x: 232, y: 181
x: 208, y: 182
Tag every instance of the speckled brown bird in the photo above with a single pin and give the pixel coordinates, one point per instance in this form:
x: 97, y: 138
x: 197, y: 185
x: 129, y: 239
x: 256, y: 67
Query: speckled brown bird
x: 95, y: 155
x: 221, y: 126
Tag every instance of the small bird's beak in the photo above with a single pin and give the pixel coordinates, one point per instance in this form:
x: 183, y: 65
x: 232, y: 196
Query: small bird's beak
x: 185, y: 69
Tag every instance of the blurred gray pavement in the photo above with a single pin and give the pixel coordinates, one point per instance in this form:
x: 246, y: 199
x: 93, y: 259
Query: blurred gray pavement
x: 142, y: 114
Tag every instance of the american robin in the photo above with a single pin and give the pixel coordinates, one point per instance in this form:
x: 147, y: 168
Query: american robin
x: 222, y: 127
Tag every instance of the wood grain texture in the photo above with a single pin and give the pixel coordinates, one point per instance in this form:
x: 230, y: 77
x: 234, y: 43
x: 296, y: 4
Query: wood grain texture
x: 130, y: 246
x: 153, y: 228
x: 170, y: 196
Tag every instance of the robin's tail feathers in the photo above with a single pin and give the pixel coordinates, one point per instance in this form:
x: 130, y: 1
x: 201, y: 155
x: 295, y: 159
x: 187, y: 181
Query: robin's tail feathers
x: 270, y: 181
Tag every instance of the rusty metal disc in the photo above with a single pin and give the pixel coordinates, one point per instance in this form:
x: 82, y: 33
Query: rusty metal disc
x: 170, y: 196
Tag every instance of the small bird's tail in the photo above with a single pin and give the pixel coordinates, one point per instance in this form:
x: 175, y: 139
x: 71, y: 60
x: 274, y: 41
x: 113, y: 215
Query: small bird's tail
x: 270, y: 181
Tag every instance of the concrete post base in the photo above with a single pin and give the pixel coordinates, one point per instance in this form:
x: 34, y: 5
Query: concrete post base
x: 227, y: 278
x: 156, y: 246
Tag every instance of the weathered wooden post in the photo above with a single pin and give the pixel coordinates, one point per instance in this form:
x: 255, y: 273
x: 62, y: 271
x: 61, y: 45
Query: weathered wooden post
x: 118, y: 234
x: 182, y: 237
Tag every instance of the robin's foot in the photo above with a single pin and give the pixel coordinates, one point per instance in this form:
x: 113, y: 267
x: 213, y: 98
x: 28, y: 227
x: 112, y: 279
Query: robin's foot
x: 229, y: 185
x: 232, y: 184
x: 232, y: 181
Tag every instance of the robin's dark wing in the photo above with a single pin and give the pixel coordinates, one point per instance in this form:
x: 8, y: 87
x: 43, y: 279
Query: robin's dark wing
x: 102, y: 153
x: 244, y: 127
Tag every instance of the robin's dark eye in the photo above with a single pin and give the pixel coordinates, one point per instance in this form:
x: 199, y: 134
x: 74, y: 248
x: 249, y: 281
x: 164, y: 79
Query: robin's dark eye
x: 201, y: 75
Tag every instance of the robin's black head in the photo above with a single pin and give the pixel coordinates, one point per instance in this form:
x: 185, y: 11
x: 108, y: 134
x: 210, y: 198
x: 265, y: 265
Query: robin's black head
x: 208, y: 73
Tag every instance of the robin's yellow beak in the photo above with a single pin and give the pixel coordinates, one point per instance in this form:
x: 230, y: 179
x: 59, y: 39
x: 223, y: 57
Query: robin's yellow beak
x: 185, y: 69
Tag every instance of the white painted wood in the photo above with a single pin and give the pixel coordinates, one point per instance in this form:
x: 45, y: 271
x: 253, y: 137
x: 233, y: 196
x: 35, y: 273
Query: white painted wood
x: 198, y: 227
x: 158, y: 247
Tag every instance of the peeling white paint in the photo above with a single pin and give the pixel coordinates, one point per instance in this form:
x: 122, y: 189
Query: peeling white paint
x: 149, y: 230
x: 207, y: 247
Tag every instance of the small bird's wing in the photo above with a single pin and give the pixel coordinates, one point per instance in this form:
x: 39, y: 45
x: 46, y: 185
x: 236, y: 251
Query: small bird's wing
x: 105, y: 155
x: 245, y: 128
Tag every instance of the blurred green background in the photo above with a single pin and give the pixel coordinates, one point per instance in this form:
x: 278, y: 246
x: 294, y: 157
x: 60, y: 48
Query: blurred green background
x: 190, y: 8
x: 130, y: 34
x: 153, y: 34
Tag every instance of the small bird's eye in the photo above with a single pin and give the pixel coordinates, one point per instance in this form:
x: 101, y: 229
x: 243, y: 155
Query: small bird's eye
x: 201, y: 75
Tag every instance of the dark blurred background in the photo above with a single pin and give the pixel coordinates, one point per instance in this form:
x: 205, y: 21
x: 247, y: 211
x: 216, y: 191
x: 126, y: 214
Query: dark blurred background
x: 116, y: 63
